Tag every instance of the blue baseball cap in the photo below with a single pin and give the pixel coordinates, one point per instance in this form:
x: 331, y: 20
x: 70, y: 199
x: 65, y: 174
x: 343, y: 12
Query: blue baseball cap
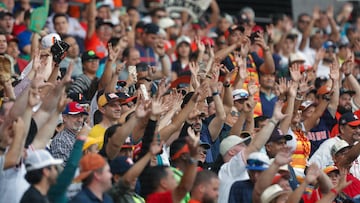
x: 257, y: 161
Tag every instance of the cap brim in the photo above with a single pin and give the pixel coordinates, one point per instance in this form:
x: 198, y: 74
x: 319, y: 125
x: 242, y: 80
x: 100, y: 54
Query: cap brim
x: 82, y: 176
x: 75, y: 113
x: 354, y: 123
x: 288, y: 137
x: 256, y: 168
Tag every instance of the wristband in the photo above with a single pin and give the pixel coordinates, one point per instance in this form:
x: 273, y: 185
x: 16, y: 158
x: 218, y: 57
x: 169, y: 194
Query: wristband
x: 226, y: 85
x: 273, y: 122
x: 334, y: 191
x: 192, y: 161
x: 215, y: 93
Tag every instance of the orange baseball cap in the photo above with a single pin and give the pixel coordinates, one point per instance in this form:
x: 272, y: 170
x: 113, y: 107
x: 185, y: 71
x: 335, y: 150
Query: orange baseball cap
x: 89, y: 163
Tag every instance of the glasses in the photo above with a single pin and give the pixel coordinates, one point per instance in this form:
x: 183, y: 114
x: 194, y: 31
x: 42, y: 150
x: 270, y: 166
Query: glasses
x: 129, y: 104
x: 145, y: 78
x: 203, y: 152
x: 235, y: 113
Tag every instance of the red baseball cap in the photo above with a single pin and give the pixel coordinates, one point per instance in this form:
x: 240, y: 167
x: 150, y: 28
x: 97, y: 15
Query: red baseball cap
x: 74, y: 108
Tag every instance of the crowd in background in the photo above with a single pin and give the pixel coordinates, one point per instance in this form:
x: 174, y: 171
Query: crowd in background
x: 130, y: 102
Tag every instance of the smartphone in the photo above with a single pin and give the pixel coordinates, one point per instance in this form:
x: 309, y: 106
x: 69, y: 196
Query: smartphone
x: 144, y: 92
x: 132, y: 72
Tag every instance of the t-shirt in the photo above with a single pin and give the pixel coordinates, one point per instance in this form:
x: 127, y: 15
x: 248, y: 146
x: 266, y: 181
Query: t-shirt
x: 32, y: 195
x: 230, y: 172
x: 353, y: 189
x: 147, y: 54
x: 86, y: 196
x: 241, y: 191
x: 163, y: 197
x: 94, y: 43
x: 98, y: 132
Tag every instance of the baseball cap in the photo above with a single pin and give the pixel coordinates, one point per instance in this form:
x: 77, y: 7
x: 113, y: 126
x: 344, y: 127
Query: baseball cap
x: 306, y: 104
x: 271, y: 192
x: 240, y: 94
x: 166, y: 22
x: 349, y: 118
x: 257, y: 161
x: 183, y: 39
x: 338, y: 146
x: 330, y: 169
x: 346, y: 91
x: 100, y: 22
x: 296, y: 57
x: 323, y: 90
x: 120, y: 165
x: 129, y: 99
x: 279, y: 176
x: 88, y: 55
x: 90, y: 141
x: 151, y: 28
x: 39, y: 159
x: 232, y: 29
x: 329, y: 44
x: 277, y: 135
x: 231, y: 141
x: 127, y: 144
x: 49, y: 40
x: 74, y: 108
x: 88, y: 164
x: 107, y: 98
x: 105, y: 4
x: 5, y: 13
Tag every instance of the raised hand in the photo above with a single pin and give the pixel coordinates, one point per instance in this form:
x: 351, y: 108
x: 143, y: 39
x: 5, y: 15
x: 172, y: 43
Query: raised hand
x: 342, y: 182
x: 200, y: 45
x: 158, y: 107
x: 113, y: 53
x: 313, y: 173
x: 67, y: 77
x: 156, y: 146
x: 159, y: 47
x: 316, y: 13
x: 249, y: 105
x: 63, y: 102
x: 245, y: 47
x: 142, y: 108
x: 330, y: 12
x: 162, y: 88
x: 277, y: 114
x: 281, y: 87
x: 292, y: 88
x: 252, y: 87
x: 194, y: 68
x: 283, y: 157
x: 347, y: 66
x: 334, y: 72
x: 119, y: 67
x: 295, y: 72
x: 202, y: 92
x: 193, y: 141
x: 259, y: 40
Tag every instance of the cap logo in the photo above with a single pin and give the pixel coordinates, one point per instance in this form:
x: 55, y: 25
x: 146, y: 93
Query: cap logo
x: 78, y: 106
x: 112, y: 96
x: 91, y: 53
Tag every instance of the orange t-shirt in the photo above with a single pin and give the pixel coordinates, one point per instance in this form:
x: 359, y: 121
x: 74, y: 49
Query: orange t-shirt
x: 95, y: 44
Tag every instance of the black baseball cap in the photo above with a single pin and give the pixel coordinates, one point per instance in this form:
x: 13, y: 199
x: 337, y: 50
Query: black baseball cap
x: 88, y: 55
x: 349, y: 119
x: 151, y: 28
x: 277, y: 135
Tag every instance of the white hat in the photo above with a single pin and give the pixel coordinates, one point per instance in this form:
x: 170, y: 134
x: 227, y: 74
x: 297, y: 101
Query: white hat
x: 257, y: 161
x: 166, y: 22
x: 182, y: 39
x: 306, y: 104
x: 240, y: 94
x: 39, y: 159
x: 342, y: 144
x: 231, y: 141
x: 296, y: 57
x: 271, y: 193
x: 49, y: 40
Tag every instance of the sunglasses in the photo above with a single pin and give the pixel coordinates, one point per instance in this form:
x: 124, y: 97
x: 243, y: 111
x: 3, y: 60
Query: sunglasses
x: 145, y: 78
x: 235, y: 113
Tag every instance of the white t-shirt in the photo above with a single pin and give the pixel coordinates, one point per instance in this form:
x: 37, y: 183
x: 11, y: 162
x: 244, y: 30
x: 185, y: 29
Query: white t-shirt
x: 230, y: 172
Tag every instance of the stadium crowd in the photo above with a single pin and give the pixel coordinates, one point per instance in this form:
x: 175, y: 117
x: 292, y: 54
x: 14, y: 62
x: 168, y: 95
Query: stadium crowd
x: 133, y: 102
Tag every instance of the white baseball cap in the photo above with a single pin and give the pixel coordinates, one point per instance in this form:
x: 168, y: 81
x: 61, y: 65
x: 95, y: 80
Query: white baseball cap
x: 166, y: 22
x: 39, y: 159
x: 231, y: 141
x: 271, y: 193
x: 49, y: 40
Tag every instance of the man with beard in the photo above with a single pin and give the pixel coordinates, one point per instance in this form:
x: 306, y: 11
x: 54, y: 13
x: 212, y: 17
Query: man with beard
x: 350, y: 132
x: 62, y: 145
x: 41, y: 174
x: 205, y: 188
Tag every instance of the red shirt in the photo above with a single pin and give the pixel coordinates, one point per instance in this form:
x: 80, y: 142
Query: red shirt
x: 163, y: 197
x: 95, y: 44
x: 354, y: 188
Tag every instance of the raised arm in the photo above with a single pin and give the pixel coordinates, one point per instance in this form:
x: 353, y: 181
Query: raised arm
x: 108, y: 72
x: 291, y: 93
x: 311, y: 176
x: 347, y: 68
x: 188, y: 178
x: 263, y: 135
x: 16, y: 131
x: 335, y: 33
x: 216, y: 124
x: 282, y: 158
x: 268, y: 66
x: 91, y: 18
x: 307, y: 32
